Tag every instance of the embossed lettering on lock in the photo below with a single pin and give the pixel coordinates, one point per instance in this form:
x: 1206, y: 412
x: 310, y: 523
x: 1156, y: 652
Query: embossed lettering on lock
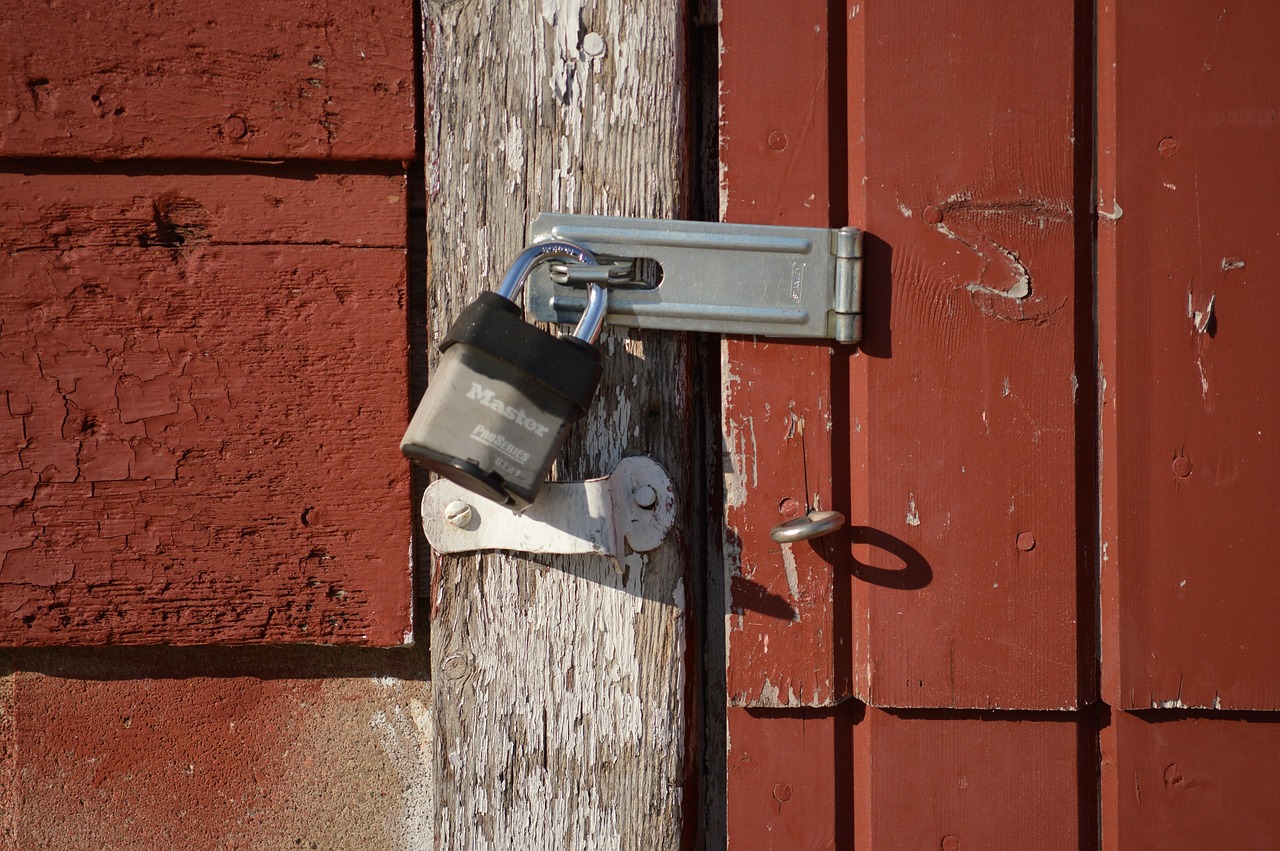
x: 498, y: 408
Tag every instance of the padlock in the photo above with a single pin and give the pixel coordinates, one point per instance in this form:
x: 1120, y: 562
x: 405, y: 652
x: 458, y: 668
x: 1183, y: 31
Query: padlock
x: 499, y: 406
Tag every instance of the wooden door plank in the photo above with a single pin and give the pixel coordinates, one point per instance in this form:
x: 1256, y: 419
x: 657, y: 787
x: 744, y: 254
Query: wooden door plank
x: 957, y: 781
x: 175, y: 472
x: 783, y: 795
x: 314, y: 79
x: 1188, y: 128
x: 963, y: 133
x: 559, y: 683
x: 783, y: 638
x: 1180, y: 780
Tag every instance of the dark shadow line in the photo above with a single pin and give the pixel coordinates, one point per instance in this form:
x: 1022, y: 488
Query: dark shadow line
x: 1088, y: 400
x: 285, y: 169
x: 1163, y: 716
x: 264, y: 662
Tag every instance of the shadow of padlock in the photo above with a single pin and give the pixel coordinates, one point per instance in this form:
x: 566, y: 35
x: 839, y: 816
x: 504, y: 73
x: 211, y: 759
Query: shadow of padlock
x: 499, y: 406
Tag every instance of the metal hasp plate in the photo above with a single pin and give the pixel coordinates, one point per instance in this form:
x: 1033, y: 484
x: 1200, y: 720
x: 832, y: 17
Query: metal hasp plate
x: 633, y: 505
x: 719, y: 278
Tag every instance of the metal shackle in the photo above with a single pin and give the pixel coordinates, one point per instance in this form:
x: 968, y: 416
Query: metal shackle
x: 588, y: 327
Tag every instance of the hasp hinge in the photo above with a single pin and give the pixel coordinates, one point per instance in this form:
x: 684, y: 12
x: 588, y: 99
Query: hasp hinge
x: 763, y: 280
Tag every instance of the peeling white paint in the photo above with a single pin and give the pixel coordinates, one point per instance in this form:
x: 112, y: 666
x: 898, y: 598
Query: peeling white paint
x: 913, y: 515
x: 1200, y: 319
x: 1116, y: 212
x: 793, y: 578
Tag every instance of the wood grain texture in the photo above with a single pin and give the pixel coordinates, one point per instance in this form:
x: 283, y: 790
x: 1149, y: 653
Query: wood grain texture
x: 314, y: 79
x: 967, y: 780
x: 963, y: 396
x: 1188, y: 130
x: 785, y: 644
x: 1176, y: 780
x: 202, y: 378
x: 559, y: 683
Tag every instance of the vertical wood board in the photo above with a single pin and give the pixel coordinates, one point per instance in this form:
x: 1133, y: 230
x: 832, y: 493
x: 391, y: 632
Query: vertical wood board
x: 790, y: 777
x: 560, y: 683
x: 1173, y: 780
x: 313, y: 79
x: 1188, y: 250
x: 963, y: 395
x: 203, y: 384
x: 960, y: 781
x: 782, y: 635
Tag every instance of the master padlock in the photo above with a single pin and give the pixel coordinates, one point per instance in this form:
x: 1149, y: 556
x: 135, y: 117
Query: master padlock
x: 502, y: 399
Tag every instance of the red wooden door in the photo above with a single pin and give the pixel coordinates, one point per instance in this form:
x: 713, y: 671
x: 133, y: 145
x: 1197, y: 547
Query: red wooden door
x: 930, y: 677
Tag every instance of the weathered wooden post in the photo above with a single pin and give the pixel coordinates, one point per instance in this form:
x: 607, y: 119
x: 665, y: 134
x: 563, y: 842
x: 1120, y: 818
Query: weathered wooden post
x: 560, y: 684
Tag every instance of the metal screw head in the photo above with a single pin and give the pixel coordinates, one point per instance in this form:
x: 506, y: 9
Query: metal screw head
x: 458, y: 513
x: 645, y: 496
x: 235, y: 127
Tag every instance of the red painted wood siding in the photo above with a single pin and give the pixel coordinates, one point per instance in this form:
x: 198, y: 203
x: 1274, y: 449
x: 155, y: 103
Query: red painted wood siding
x: 1176, y: 780
x: 962, y: 400
x: 974, y: 441
x: 784, y: 647
x: 312, y: 79
x: 1189, y: 127
x: 204, y: 366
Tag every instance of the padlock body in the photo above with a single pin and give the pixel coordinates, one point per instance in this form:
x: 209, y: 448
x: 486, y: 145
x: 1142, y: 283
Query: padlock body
x: 498, y: 408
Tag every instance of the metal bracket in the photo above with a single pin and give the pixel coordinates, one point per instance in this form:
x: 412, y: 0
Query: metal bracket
x: 720, y: 278
x: 634, y: 504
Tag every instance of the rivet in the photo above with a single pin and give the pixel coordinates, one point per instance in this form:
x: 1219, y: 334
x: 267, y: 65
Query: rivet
x: 950, y: 843
x: 235, y: 127
x: 789, y: 508
x: 777, y: 140
x: 1182, y: 466
x: 1026, y: 541
x: 1168, y: 146
x: 645, y: 496
x: 782, y: 792
x: 458, y: 513
x: 1173, y: 775
x: 593, y: 45
x: 932, y: 215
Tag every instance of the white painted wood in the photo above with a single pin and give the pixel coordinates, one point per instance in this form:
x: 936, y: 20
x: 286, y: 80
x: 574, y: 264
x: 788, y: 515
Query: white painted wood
x: 560, y: 684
